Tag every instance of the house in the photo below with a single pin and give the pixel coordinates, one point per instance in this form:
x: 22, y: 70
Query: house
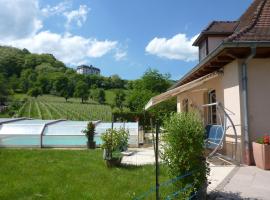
x: 85, y: 69
x: 234, y: 70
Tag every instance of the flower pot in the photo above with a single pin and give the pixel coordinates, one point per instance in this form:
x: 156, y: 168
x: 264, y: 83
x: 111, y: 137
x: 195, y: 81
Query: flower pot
x: 261, y: 153
x: 91, y: 144
x: 113, y: 162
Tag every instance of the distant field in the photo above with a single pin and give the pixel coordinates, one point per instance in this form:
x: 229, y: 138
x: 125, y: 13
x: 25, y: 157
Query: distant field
x: 52, y: 107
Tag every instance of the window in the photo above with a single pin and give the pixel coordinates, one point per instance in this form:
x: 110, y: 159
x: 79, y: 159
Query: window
x: 212, y: 112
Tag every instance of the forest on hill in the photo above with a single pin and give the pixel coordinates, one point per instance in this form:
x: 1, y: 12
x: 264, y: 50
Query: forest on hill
x: 23, y: 72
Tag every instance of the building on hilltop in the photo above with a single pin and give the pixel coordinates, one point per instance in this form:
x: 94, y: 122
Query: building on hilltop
x: 86, y: 70
x: 233, y: 71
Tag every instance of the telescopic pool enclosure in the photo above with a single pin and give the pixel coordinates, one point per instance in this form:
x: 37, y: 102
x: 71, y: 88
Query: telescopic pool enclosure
x: 23, y: 132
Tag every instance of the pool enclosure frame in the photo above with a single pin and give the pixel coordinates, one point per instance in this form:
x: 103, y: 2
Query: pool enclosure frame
x: 37, y: 133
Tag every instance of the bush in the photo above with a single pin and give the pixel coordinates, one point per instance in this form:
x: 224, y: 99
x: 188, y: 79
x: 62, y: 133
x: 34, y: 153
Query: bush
x: 90, y: 133
x: 183, y: 150
x: 114, y: 141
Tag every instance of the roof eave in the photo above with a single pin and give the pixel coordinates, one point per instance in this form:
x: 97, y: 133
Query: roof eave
x: 216, y: 51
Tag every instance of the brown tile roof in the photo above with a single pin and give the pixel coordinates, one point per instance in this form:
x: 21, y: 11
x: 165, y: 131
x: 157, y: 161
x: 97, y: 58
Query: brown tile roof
x: 225, y: 28
x: 254, y: 24
x: 221, y: 27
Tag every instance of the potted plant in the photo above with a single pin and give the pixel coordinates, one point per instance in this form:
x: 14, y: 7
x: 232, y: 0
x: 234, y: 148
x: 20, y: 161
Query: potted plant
x: 90, y: 133
x: 261, y: 152
x: 114, y: 142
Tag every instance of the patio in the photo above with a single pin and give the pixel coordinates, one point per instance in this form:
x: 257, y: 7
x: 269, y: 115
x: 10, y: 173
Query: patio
x: 227, y: 181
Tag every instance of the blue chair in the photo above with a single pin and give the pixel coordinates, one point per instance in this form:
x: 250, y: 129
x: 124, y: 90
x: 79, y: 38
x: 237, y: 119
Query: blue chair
x: 214, y: 136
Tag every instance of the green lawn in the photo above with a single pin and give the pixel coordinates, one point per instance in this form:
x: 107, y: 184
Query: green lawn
x: 69, y: 174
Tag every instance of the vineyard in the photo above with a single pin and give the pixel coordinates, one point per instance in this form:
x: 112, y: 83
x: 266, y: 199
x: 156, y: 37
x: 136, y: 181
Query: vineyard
x: 51, y: 107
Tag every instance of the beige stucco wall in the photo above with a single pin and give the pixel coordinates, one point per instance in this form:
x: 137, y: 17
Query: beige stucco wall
x: 232, y: 103
x: 214, y: 42
x: 259, y: 97
x: 227, y: 93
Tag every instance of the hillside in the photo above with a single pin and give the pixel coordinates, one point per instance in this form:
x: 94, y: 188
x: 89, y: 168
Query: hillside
x: 51, y: 107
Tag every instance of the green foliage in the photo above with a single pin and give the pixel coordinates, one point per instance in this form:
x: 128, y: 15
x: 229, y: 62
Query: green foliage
x: 153, y: 81
x: 184, y: 148
x: 65, y: 88
x: 137, y: 99
x: 44, y: 83
x: 98, y: 95
x: 163, y: 109
x: 114, y: 141
x: 90, y: 131
x: 11, y: 60
x: 4, y: 90
x: 119, y: 99
x: 81, y: 91
x: 52, y: 107
x: 34, y: 92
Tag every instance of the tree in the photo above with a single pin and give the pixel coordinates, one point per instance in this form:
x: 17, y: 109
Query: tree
x: 101, y: 96
x: 4, y: 90
x: 119, y: 99
x: 44, y: 83
x: 34, y: 92
x: 81, y: 91
x: 68, y: 90
x: 138, y: 98
x: 154, y: 81
x: 11, y: 61
x: 14, y: 82
x: 98, y: 95
x: 28, y: 79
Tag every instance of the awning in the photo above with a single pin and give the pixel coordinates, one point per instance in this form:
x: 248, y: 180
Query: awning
x: 174, y: 92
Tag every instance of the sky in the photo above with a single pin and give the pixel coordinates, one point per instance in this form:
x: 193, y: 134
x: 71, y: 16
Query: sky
x: 124, y: 37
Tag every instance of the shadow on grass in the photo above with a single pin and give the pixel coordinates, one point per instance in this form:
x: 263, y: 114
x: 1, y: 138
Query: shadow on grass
x: 227, y: 195
x: 129, y: 167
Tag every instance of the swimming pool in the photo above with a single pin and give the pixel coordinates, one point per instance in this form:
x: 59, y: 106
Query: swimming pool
x: 55, y: 133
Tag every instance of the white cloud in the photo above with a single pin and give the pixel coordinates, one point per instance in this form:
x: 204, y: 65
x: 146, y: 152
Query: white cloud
x: 120, y: 55
x: 20, y: 26
x: 19, y: 19
x: 100, y: 48
x: 70, y: 49
x: 57, y: 9
x: 179, y: 47
x: 78, y: 16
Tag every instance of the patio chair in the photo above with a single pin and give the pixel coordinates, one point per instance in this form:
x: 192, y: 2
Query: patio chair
x: 214, y: 138
x: 215, y: 133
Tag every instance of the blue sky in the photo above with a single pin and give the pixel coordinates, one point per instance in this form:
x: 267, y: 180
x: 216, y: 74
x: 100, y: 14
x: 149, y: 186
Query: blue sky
x: 122, y: 37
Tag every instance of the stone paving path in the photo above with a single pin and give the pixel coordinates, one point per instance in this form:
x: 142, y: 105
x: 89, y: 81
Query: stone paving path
x: 248, y: 182
x: 227, y: 181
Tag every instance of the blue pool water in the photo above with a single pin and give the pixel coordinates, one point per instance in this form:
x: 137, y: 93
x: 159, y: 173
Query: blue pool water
x: 49, y: 141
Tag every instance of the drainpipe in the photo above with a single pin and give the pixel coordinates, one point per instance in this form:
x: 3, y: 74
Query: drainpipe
x: 247, y: 158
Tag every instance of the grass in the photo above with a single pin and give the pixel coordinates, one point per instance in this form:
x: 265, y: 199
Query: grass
x: 52, y: 107
x: 69, y: 174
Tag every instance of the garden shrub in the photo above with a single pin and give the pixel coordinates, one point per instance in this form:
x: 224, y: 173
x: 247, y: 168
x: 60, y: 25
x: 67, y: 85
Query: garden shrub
x: 183, y: 150
x: 114, y: 141
x: 90, y: 134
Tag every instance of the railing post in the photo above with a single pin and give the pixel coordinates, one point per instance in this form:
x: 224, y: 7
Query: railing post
x: 157, y: 164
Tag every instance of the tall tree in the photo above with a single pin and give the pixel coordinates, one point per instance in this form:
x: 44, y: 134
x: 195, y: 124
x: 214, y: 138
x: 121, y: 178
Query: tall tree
x: 138, y: 98
x: 4, y: 90
x: 68, y: 90
x: 119, y: 99
x: 154, y: 81
x: 98, y: 95
x: 81, y: 91
x: 34, y: 92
